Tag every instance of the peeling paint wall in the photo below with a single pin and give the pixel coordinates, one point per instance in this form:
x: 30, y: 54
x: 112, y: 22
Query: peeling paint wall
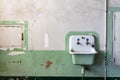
x: 49, y: 21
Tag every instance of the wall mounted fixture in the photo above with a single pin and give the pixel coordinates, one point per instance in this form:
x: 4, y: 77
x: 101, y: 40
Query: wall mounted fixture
x: 82, y: 49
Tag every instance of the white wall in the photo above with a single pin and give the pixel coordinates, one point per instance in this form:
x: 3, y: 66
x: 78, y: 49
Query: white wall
x: 114, y: 3
x: 55, y: 18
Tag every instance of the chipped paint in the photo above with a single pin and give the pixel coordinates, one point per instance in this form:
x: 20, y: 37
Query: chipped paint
x: 57, y: 30
x: 11, y: 49
x: 14, y: 53
x: 48, y: 64
x: 4, y: 49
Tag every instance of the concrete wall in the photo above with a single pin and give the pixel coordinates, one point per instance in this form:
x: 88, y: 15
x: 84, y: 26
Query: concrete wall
x: 54, y: 19
x: 114, y: 3
x: 49, y: 21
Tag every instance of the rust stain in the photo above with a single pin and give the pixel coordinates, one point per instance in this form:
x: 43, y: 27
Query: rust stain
x: 48, y: 64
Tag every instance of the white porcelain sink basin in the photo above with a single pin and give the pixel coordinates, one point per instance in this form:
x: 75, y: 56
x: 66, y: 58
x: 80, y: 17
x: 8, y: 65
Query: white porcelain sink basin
x: 82, y: 44
x: 93, y: 51
x: 82, y: 48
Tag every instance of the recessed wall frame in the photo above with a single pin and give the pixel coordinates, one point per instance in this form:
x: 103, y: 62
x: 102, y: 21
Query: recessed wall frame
x: 13, y: 35
x: 113, y: 34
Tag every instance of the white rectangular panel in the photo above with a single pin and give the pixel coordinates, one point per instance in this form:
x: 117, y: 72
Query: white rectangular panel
x: 11, y: 36
x: 116, y: 37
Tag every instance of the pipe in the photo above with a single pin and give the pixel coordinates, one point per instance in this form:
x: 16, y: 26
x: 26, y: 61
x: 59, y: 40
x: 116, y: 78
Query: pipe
x: 105, y: 60
x: 83, y: 72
